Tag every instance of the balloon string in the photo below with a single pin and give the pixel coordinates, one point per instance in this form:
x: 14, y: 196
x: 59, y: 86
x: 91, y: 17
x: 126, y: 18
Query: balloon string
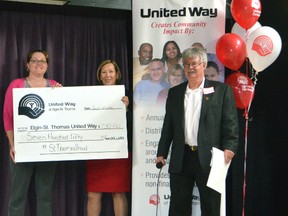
x: 246, y: 36
x: 246, y: 116
x: 247, y: 66
x: 255, y: 79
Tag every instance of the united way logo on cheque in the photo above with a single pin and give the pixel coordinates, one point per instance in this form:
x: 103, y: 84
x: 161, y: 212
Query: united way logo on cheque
x: 31, y: 105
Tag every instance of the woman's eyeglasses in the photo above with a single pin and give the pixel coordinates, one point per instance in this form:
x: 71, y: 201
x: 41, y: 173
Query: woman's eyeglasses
x: 35, y: 61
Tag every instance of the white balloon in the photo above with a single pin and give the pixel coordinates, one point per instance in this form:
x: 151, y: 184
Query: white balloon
x: 237, y: 29
x: 263, y: 47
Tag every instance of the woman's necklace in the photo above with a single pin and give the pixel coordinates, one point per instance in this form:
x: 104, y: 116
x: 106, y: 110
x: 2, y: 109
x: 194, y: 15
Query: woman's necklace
x: 42, y: 83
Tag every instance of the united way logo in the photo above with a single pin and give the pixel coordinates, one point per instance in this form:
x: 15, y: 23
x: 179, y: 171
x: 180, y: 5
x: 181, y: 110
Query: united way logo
x: 31, y: 105
x: 154, y: 199
x: 263, y: 45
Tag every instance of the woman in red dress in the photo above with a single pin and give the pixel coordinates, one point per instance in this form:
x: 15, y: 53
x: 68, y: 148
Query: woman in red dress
x: 108, y: 175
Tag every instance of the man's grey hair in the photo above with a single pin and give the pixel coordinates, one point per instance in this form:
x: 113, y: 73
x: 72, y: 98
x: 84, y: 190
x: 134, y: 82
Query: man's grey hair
x: 195, y: 52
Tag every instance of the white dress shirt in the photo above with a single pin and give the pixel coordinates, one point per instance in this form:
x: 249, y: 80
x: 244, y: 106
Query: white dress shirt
x: 192, y: 106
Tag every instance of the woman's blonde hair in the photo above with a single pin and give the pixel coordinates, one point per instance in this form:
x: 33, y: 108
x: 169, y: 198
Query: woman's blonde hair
x: 108, y: 61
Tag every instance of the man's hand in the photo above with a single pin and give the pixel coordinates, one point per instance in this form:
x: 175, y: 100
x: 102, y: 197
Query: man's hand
x: 228, y: 155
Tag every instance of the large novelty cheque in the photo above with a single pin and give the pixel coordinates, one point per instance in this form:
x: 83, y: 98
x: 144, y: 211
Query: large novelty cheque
x: 69, y: 123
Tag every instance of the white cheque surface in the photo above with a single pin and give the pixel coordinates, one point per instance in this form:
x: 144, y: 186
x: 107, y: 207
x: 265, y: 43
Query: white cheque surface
x: 69, y: 123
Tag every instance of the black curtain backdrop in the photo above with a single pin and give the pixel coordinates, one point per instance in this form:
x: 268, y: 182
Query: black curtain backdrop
x: 79, y: 38
x: 267, y: 139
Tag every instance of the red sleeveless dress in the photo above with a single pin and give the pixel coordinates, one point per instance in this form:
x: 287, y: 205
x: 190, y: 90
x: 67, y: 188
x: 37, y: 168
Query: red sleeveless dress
x: 109, y: 175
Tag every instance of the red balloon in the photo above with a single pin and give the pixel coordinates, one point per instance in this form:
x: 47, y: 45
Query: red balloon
x: 246, y: 12
x: 231, y: 50
x: 243, y: 89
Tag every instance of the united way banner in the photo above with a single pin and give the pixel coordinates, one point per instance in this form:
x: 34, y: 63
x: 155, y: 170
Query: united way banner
x: 162, y: 30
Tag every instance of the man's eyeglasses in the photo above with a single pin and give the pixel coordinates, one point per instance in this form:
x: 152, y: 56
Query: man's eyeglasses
x: 35, y: 61
x: 193, y: 65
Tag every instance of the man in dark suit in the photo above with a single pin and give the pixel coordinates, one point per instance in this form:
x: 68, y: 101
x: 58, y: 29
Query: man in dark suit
x: 200, y: 114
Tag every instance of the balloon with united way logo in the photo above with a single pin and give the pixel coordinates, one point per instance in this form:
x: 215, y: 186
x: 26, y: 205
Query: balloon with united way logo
x: 243, y: 89
x: 263, y: 47
x: 246, y: 12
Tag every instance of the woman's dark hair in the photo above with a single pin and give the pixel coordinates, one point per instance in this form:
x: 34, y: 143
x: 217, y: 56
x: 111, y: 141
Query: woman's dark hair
x: 30, y: 54
x: 164, y: 57
x: 213, y: 64
x: 45, y: 53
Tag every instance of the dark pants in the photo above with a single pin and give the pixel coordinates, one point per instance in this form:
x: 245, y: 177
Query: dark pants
x: 21, y: 178
x: 181, y: 185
